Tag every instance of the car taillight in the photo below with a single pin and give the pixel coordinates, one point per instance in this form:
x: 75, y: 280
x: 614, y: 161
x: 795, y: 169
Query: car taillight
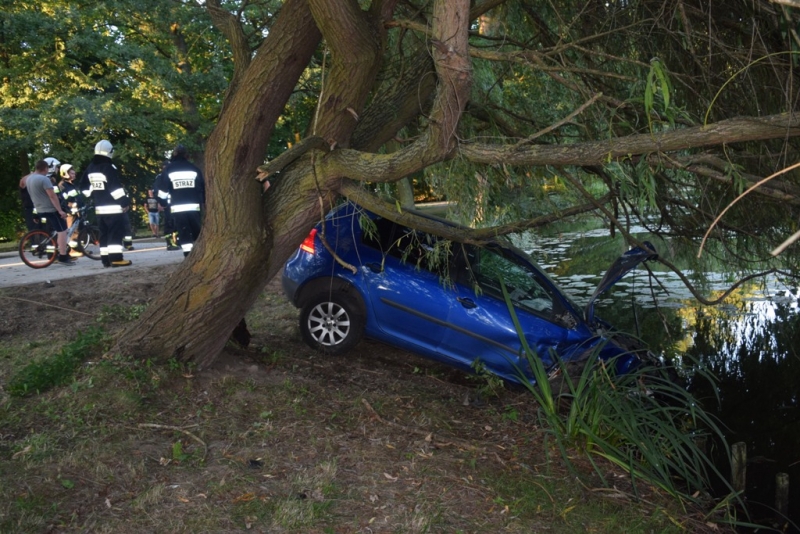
x: 308, y: 244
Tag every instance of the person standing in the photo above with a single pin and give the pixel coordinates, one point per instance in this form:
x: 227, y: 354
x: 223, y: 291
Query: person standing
x: 161, y: 192
x: 28, y: 211
x: 32, y: 219
x: 151, y: 204
x: 52, y: 168
x: 48, y: 206
x: 187, y: 194
x: 71, y: 199
x: 101, y: 182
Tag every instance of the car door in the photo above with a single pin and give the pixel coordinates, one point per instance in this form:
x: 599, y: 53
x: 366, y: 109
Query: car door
x: 481, y: 328
x: 407, y: 300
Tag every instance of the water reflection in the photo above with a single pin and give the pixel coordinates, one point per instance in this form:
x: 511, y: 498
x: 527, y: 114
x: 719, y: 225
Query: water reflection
x: 750, y: 344
x: 754, y: 356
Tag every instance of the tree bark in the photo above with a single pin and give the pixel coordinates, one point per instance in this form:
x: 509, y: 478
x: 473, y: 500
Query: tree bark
x: 215, y: 286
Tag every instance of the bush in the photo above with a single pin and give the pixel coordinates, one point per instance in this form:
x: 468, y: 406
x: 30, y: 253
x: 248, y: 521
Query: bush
x: 11, y: 223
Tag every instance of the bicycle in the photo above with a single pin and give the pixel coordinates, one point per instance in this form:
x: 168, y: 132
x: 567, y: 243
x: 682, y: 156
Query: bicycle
x: 39, y: 248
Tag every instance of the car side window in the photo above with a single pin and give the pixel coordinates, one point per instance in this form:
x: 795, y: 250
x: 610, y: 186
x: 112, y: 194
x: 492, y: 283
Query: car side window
x: 379, y: 234
x: 487, y: 267
x: 410, y: 246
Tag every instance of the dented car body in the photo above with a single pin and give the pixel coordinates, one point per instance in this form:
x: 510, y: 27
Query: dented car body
x: 444, y: 300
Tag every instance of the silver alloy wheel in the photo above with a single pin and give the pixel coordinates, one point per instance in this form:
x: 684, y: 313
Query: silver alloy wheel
x: 328, y: 324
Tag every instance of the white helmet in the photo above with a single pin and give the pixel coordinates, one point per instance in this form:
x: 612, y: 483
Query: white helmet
x: 64, y: 172
x: 104, y: 148
x: 52, y: 165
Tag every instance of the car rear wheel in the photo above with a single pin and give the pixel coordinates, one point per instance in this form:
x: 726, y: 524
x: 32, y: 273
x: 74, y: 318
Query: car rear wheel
x: 331, y: 322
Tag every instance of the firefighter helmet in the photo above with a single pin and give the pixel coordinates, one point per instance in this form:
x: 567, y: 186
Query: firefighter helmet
x: 64, y: 172
x: 52, y: 165
x: 104, y: 148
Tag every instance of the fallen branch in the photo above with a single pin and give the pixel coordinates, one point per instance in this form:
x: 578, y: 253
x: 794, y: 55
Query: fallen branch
x: 71, y: 310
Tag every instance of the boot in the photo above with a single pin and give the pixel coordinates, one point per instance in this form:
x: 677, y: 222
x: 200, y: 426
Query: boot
x: 121, y: 263
x: 171, y: 243
x: 65, y: 260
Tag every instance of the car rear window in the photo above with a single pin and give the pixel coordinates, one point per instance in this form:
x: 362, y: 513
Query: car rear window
x: 410, y: 246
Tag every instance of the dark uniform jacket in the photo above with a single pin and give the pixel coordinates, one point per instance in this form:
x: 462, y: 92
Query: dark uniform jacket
x: 101, y: 182
x: 72, y: 199
x: 182, y: 183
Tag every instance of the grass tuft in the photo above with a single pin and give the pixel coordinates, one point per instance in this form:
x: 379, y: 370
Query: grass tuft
x: 42, y: 375
x: 643, y: 421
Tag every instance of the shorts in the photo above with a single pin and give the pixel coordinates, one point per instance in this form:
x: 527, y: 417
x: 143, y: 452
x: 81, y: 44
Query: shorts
x: 54, y: 221
x: 153, y: 217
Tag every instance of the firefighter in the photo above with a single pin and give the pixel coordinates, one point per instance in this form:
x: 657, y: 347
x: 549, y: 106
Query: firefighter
x: 52, y: 168
x: 70, y: 194
x: 101, y: 182
x: 186, y: 191
x: 72, y: 198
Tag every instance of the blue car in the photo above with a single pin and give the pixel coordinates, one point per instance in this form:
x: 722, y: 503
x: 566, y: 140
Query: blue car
x: 361, y: 275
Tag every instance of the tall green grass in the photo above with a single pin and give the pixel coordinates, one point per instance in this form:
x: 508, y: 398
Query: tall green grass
x: 642, y: 421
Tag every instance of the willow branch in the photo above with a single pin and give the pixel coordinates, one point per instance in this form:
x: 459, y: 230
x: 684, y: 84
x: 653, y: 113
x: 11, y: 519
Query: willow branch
x: 735, y: 200
x: 566, y: 119
x: 289, y: 157
x: 356, y: 193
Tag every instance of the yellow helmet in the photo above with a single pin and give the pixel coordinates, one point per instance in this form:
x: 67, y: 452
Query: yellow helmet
x: 64, y: 172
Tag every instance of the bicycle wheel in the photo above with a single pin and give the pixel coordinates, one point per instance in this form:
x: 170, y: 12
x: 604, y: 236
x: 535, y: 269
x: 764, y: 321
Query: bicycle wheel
x: 38, y: 249
x: 89, y: 242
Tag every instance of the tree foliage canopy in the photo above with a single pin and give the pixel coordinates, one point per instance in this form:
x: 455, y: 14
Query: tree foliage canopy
x: 521, y: 111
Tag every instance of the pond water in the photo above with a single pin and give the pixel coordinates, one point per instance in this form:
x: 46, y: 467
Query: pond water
x: 750, y: 343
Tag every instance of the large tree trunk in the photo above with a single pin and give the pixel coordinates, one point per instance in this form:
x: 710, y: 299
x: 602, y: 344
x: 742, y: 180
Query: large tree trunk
x: 230, y: 264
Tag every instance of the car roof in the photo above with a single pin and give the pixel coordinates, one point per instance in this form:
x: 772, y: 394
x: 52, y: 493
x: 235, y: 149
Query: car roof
x: 352, y: 207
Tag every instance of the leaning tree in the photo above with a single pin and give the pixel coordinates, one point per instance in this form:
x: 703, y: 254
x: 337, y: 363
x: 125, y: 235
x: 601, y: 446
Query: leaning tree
x: 673, y: 107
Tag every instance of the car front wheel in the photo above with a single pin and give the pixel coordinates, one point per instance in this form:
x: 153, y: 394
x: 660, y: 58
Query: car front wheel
x: 331, y: 322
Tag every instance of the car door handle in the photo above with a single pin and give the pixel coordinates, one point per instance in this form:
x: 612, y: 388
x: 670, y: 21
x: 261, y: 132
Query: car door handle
x: 467, y: 302
x: 375, y: 267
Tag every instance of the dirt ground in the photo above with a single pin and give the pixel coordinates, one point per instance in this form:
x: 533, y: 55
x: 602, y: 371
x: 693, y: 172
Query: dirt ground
x: 277, y: 438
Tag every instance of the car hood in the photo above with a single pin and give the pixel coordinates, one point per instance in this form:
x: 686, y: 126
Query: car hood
x: 622, y: 266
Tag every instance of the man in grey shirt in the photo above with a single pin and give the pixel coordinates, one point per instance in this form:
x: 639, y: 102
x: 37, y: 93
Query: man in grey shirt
x: 47, y: 205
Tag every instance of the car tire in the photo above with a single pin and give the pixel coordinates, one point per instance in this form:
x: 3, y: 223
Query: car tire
x: 332, y: 322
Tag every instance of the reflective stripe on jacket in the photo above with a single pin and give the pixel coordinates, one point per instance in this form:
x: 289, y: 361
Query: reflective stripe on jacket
x: 179, y: 208
x: 111, y: 209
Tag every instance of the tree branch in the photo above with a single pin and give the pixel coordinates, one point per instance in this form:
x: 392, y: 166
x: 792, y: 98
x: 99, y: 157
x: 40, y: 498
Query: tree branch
x: 778, y: 126
x: 356, y: 193
x: 232, y: 30
x: 384, y: 168
x: 289, y: 157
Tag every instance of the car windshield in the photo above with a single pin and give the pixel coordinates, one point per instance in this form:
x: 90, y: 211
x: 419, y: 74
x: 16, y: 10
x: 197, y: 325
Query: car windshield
x: 486, y: 267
